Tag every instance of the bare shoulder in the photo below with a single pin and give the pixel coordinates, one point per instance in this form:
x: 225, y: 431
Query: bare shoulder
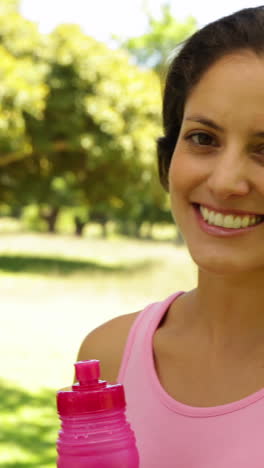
x: 107, y: 343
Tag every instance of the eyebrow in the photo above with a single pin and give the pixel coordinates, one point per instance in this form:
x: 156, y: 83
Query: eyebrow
x: 206, y: 121
x: 210, y: 123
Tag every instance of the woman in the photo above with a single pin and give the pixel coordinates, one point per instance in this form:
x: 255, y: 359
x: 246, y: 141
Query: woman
x: 193, y: 365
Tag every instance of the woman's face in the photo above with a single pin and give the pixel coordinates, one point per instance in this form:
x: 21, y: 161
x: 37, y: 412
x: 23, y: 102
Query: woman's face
x: 216, y: 177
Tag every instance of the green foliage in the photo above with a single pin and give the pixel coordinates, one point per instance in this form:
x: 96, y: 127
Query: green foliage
x: 107, y: 142
x: 153, y: 48
x: 31, y: 220
x: 29, y: 427
x: 21, y: 77
x: 78, y: 127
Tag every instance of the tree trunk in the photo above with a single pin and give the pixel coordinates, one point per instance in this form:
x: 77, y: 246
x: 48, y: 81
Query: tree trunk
x: 79, y: 226
x: 102, y: 220
x: 148, y: 234
x: 104, y: 229
x: 51, y: 216
x: 127, y: 228
x: 138, y: 234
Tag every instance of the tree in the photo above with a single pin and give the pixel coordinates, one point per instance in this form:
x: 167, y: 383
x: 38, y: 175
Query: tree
x: 153, y: 48
x: 22, y: 88
x: 98, y: 130
x: 91, y: 136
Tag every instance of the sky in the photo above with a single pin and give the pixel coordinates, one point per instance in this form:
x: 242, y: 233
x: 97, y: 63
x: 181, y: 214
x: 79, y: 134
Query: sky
x: 125, y: 18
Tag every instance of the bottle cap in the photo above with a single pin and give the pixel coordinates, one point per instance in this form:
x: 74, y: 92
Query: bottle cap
x: 90, y: 394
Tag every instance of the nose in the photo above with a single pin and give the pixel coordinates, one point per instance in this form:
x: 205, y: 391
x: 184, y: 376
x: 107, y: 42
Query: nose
x: 229, y: 175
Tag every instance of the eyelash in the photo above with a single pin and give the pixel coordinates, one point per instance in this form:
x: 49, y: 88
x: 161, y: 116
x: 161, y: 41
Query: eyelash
x: 189, y: 139
x: 208, y: 147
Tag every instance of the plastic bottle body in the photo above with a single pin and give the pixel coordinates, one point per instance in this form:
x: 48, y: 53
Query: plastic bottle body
x: 94, y: 431
x: 100, y: 439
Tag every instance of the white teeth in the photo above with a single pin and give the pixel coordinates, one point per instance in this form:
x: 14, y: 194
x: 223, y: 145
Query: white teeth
x: 238, y: 222
x: 211, y: 217
x: 205, y: 212
x: 245, y: 221
x: 218, y: 219
x: 228, y: 221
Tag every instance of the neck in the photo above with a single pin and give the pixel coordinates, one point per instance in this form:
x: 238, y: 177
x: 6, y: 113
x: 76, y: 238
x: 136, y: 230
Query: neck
x: 229, y: 311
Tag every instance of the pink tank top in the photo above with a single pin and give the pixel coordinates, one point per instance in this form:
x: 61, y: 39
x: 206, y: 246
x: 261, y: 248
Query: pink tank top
x: 171, y: 434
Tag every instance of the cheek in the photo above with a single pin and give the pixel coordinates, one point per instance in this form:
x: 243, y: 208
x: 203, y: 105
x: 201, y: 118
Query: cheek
x: 179, y: 172
x: 174, y: 168
x: 187, y: 171
x: 178, y: 186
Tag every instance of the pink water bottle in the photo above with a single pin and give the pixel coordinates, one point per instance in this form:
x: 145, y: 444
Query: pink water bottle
x: 94, y: 431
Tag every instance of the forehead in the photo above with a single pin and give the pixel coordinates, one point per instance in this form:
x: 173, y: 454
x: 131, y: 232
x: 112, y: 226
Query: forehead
x: 233, y: 87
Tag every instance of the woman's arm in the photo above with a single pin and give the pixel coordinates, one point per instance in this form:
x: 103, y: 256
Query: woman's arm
x: 107, y: 343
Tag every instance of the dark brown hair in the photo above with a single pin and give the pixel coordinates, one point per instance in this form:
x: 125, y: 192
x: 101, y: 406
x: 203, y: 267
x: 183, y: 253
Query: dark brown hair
x: 243, y: 30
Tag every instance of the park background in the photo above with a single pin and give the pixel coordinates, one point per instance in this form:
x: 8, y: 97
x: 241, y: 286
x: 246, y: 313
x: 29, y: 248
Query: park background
x: 86, y: 232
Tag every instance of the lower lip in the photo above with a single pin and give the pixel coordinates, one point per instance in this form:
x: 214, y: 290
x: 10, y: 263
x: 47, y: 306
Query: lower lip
x: 220, y: 231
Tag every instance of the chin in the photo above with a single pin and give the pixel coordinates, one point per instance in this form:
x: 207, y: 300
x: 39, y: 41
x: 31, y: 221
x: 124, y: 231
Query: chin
x: 219, y: 265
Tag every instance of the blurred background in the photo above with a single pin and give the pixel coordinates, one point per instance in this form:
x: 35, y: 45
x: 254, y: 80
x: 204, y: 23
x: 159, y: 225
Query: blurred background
x: 86, y: 232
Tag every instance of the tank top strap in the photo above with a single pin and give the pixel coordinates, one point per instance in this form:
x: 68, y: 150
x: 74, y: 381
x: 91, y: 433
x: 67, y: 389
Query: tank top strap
x: 144, y: 325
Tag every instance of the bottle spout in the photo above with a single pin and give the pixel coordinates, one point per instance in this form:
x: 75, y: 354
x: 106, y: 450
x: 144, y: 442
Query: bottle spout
x: 87, y: 372
x: 90, y: 394
x: 88, y: 375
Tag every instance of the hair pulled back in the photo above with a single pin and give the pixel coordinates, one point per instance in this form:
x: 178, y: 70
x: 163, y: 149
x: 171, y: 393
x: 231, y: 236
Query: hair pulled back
x: 242, y: 30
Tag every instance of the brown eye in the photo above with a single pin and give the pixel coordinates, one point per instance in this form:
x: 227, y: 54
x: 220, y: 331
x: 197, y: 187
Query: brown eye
x: 202, y: 139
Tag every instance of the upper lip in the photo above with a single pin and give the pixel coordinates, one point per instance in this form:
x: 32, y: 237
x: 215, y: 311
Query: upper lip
x: 232, y: 211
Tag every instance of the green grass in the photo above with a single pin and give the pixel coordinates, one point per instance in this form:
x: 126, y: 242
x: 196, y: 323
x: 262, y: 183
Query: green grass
x: 60, y: 266
x: 28, y: 427
x: 54, y: 290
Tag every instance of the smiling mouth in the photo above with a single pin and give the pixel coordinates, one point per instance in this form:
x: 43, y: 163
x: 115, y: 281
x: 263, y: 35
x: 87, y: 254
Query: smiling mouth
x: 228, y: 221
